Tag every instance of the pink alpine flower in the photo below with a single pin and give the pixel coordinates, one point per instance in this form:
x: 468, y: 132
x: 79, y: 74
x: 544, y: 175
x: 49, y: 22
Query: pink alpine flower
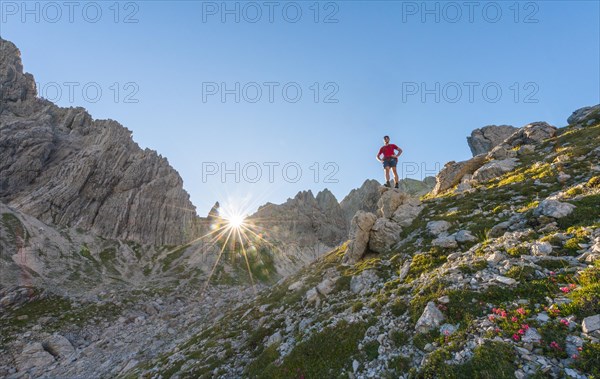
x: 521, y: 311
x: 555, y: 345
x: 516, y: 337
x: 564, y: 322
x: 514, y: 319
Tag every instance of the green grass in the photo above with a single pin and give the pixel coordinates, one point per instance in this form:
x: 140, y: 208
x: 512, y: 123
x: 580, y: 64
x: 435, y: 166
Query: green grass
x: 589, y: 360
x: 585, y: 213
x: 322, y: 355
x: 492, y: 360
x: 371, y: 349
x: 425, y: 262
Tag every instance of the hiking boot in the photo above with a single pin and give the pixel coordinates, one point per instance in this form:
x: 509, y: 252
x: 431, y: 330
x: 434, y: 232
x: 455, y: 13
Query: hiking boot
x: 387, y: 184
x: 396, y: 185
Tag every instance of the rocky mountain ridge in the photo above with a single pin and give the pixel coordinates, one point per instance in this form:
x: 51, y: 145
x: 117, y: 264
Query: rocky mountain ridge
x: 64, y: 168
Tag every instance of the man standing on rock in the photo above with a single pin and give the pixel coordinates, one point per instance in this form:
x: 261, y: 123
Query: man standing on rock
x: 390, y: 159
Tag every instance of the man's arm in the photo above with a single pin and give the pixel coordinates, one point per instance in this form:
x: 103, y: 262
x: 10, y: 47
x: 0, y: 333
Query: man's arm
x: 377, y: 156
x: 399, y: 152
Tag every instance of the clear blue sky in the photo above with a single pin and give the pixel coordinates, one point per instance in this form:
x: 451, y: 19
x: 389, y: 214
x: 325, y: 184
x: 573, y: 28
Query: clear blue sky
x: 371, y: 57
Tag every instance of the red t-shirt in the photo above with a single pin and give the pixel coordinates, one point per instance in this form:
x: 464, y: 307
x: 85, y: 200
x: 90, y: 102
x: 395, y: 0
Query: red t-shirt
x: 388, y: 150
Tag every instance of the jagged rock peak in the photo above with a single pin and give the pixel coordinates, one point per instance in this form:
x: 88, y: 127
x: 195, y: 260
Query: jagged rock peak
x: 326, y: 200
x: 64, y: 168
x: 14, y: 84
x: 214, y: 211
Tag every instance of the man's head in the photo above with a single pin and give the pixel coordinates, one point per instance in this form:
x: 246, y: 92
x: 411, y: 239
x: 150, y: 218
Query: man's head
x: 386, y: 139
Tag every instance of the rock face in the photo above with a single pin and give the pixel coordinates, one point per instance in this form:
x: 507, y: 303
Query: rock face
x: 485, y: 139
x: 62, y: 167
x: 360, y: 228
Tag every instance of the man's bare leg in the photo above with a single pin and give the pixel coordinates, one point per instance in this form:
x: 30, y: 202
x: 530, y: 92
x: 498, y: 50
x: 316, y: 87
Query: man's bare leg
x: 395, y: 174
x: 387, y: 174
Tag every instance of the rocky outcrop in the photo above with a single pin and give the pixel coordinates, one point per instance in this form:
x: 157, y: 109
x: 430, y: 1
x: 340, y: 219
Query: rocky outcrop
x: 485, y: 139
x: 62, y: 167
x: 360, y: 228
x: 453, y: 172
x: 583, y: 114
x: 366, y: 197
x: 531, y: 134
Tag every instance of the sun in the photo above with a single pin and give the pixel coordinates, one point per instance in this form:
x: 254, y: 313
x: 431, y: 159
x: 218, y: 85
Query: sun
x: 235, y: 221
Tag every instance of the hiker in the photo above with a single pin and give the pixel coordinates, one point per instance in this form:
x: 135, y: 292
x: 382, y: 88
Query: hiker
x: 390, y: 159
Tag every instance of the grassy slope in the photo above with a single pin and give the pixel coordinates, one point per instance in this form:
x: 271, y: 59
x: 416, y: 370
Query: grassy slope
x: 238, y: 338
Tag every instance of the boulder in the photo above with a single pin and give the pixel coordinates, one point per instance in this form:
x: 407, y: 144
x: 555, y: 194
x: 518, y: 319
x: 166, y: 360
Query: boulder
x: 553, y: 208
x: 501, y: 152
x: 326, y: 286
x: 431, y: 318
x: 389, y: 201
x: 435, y: 228
x: 494, y: 169
x: 446, y: 242
x: 485, y: 139
x: 275, y: 338
x: 463, y: 236
x: 384, y: 234
x: 407, y: 212
x: 360, y: 229
x: 541, y: 248
x: 591, y: 324
x: 453, y: 172
x: 58, y: 346
x: 505, y: 280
